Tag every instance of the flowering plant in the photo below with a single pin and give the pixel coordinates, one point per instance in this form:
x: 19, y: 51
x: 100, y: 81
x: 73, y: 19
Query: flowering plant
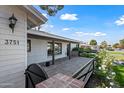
x: 104, y: 69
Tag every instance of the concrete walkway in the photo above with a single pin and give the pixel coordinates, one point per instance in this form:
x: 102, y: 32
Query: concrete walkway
x: 67, y: 67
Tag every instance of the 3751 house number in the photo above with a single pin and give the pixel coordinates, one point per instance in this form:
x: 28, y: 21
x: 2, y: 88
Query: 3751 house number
x: 11, y: 42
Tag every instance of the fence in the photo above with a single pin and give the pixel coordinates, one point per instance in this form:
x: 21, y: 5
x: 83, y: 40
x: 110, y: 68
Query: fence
x: 85, y: 72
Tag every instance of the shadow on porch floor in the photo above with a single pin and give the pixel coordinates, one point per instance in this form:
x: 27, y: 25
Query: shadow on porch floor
x: 67, y: 67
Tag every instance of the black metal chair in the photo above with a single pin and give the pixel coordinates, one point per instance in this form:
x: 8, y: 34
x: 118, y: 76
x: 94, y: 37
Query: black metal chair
x: 34, y: 74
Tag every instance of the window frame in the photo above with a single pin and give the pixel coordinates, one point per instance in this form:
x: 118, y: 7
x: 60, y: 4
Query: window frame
x: 59, y: 44
x: 29, y: 45
x: 47, y: 49
x: 60, y: 49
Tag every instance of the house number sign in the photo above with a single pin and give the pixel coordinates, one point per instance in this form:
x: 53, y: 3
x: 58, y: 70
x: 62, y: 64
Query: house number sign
x: 11, y: 42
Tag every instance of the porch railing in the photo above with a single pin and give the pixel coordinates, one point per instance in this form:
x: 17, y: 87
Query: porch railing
x: 86, y: 71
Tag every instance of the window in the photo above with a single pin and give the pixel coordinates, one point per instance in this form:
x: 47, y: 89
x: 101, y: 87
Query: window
x: 28, y: 45
x: 77, y: 45
x: 57, y: 46
x: 49, y: 48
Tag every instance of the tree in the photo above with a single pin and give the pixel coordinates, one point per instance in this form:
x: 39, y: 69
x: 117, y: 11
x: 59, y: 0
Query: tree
x: 116, y: 45
x: 122, y: 43
x: 103, y: 45
x: 51, y: 9
x: 93, y: 42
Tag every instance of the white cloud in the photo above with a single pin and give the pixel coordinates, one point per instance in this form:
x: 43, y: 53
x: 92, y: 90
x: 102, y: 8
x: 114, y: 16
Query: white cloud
x: 47, y: 26
x: 120, y: 21
x: 99, y: 34
x: 96, y: 34
x: 70, y: 17
x: 65, y: 29
x: 45, y: 15
x: 51, y: 26
x: 44, y: 27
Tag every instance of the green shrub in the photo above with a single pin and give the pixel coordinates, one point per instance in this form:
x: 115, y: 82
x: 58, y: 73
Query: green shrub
x: 88, y: 55
x: 104, y: 69
x: 81, y: 50
x: 75, y: 49
x: 87, y: 50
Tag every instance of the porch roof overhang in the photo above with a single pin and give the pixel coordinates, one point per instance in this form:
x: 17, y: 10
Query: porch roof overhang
x: 34, y: 17
x: 46, y: 35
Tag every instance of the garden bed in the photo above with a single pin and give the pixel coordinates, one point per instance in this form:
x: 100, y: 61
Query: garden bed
x: 93, y: 82
x: 106, y: 73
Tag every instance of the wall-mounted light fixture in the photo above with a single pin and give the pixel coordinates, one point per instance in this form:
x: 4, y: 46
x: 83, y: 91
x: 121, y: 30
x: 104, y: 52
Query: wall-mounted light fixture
x: 12, y: 21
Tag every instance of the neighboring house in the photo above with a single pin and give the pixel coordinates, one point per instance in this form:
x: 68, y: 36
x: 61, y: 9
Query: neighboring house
x: 14, y: 58
x: 93, y: 47
x: 84, y: 44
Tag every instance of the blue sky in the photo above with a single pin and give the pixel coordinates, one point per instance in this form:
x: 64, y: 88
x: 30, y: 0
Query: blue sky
x: 83, y: 22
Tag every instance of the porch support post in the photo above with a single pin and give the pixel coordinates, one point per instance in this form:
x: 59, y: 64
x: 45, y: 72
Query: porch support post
x: 78, y: 49
x: 69, y: 50
x: 53, y: 54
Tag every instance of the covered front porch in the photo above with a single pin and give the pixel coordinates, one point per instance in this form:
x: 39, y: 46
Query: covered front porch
x: 76, y: 66
x: 44, y: 47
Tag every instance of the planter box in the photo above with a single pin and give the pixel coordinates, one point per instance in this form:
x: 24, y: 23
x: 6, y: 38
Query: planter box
x: 74, y: 53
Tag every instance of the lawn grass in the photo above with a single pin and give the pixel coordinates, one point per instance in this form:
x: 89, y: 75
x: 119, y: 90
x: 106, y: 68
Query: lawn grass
x: 116, y: 52
x: 118, y: 55
x: 119, y: 70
